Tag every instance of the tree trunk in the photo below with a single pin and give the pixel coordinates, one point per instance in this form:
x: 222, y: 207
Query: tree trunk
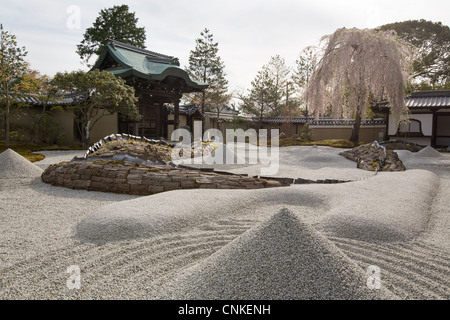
x: 203, y: 101
x: 85, y: 134
x: 7, y: 120
x: 85, y: 142
x: 261, y: 119
x: 35, y: 139
x: 261, y: 111
x: 36, y: 123
x: 203, y: 112
x: 218, y: 120
x: 355, y: 133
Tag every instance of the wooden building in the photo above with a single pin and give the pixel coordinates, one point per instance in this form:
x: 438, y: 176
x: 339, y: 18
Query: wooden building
x: 157, y: 80
x: 190, y: 117
x: 429, y: 119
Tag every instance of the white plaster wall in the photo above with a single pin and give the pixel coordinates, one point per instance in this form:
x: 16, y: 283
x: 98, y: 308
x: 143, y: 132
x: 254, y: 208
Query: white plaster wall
x: 425, y: 119
x: 427, y: 122
x: 197, y: 129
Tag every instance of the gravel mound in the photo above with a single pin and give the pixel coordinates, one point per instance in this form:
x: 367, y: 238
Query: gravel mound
x: 158, y: 214
x: 388, y: 207
x: 13, y: 165
x: 384, y: 208
x: 282, y: 258
x: 428, y: 152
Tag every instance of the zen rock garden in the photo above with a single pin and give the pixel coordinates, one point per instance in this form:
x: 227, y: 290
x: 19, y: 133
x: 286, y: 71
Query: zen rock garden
x: 140, y: 166
x: 133, y: 165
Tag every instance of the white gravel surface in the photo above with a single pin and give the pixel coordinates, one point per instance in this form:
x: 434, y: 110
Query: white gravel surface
x: 281, y: 258
x: 36, y: 217
x: 388, y: 207
x: 130, y: 247
x: 52, y: 157
x: 315, y: 162
x: 392, y: 206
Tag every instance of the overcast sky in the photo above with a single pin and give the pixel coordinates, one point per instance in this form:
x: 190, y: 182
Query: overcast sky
x: 249, y: 32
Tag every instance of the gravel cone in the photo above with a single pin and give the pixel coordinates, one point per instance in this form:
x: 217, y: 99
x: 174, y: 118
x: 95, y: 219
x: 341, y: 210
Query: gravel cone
x: 13, y: 165
x: 428, y: 152
x: 282, y: 258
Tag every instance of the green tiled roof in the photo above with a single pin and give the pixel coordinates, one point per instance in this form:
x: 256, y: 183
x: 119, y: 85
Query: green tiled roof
x: 132, y: 61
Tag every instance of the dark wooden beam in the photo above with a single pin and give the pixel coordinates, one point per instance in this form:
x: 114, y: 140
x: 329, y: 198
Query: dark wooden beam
x: 165, y: 96
x: 176, y: 116
x: 160, y: 116
x: 434, y: 129
x: 386, y: 137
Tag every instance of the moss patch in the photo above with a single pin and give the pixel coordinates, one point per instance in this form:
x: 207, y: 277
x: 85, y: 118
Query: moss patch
x: 27, y: 150
x: 26, y: 153
x: 335, y: 143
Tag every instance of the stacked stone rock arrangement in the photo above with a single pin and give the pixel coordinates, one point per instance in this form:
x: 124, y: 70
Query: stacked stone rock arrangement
x: 140, y: 179
x: 370, y: 157
x: 114, y: 137
x: 156, y: 153
x: 124, y: 147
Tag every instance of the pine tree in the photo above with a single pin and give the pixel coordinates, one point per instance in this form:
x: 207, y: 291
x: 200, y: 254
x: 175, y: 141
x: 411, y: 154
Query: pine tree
x: 432, y: 39
x: 115, y: 23
x: 269, y: 94
x: 279, y: 73
x: 260, y: 99
x: 302, y: 74
x: 206, y: 65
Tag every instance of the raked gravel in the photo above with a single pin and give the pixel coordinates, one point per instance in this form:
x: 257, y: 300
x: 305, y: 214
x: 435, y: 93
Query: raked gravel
x: 281, y: 258
x: 52, y: 157
x: 131, y: 247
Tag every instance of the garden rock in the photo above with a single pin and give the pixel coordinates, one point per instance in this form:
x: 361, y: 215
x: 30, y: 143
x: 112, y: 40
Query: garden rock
x: 370, y: 157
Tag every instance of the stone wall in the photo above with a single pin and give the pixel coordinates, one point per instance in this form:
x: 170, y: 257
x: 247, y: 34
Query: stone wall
x: 139, y: 179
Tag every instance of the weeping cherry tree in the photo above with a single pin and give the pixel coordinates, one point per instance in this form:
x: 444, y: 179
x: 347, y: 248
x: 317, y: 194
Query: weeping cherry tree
x: 359, y: 66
